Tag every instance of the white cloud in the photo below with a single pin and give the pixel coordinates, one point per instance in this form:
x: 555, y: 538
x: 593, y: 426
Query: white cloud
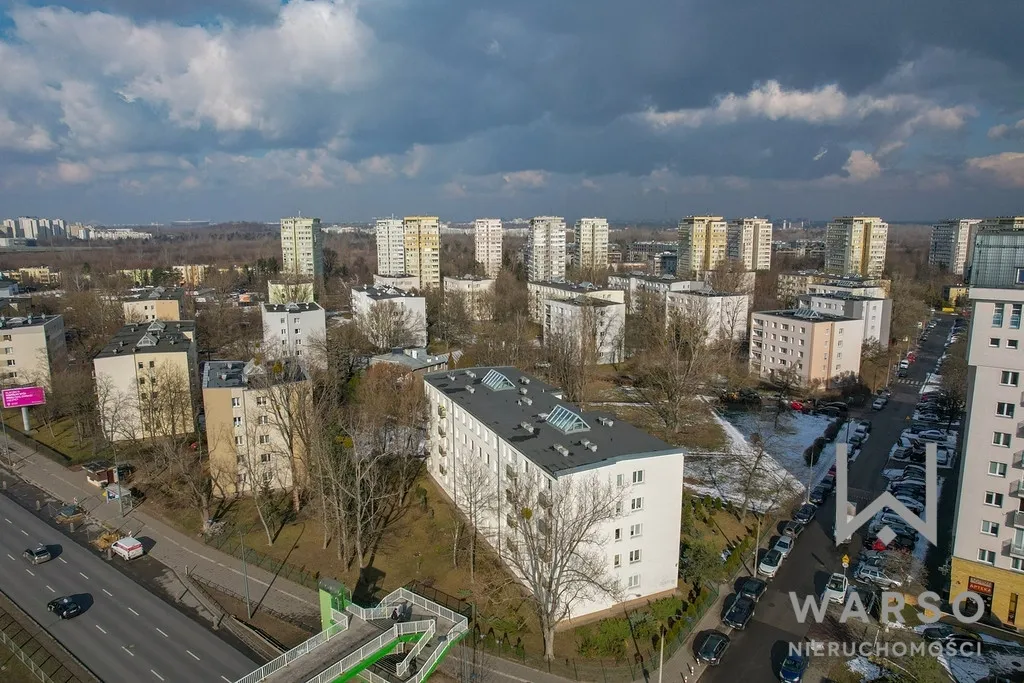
x: 1006, y: 169
x: 454, y: 190
x: 21, y: 137
x: 524, y: 180
x: 1007, y: 131
x: 74, y: 172
x: 861, y: 166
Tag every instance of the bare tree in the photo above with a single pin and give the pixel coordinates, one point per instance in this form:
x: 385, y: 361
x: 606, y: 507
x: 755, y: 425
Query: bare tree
x: 165, y: 401
x: 953, y: 401
x: 388, y: 325
x: 474, y: 493
x: 510, y: 299
x: 506, y: 343
x: 449, y: 317
x: 645, y: 323
x: 731, y: 276
x: 578, y: 345
x: 553, y: 542
x: 182, y: 471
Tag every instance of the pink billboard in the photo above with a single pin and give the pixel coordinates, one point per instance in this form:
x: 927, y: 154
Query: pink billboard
x: 22, y: 397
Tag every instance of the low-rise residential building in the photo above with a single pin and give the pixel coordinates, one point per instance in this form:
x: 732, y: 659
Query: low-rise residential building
x: 145, y: 380
x: 597, y: 323
x: 31, y: 347
x: 636, y: 284
x: 293, y: 290
x: 723, y: 316
x: 476, y: 292
x: 254, y: 417
x: 644, y: 251
x: 417, y: 361
x: 156, y: 303
x: 403, y: 281
x: 789, y: 286
x: 539, y: 291
x: 519, y: 433
x: 191, y: 274
x: 390, y: 317
x: 875, y: 312
x: 37, y: 275
x: 807, y: 347
x: 956, y: 295
x: 296, y: 330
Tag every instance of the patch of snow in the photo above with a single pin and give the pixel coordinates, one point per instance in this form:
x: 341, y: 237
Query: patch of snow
x: 998, y: 641
x: 892, y: 474
x: 965, y: 669
x: 865, y: 669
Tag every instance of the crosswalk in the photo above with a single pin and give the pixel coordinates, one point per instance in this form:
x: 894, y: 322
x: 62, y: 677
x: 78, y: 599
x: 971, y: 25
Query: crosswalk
x: 908, y: 381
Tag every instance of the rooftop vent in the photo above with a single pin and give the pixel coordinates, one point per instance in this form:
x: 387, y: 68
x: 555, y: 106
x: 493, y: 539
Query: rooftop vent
x: 524, y: 380
x: 470, y: 388
x: 523, y: 391
x: 451, y: 376
x: 561, y: 449
x: 542, y: 416
x: 525, y: 401
x: 606, y: 421
x: 470, y: 374
x: 223, y: 376
x: 589, y: 445
x: 527, y: 426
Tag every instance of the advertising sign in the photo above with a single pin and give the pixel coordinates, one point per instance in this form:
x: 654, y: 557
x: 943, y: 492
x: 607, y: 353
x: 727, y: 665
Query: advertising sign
x: 21, y: 397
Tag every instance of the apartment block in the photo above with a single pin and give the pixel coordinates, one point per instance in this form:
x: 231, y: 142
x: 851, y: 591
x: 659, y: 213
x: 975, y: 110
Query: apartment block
x: 951, y: 244
x: 380, y: 311
x: 402, y: 281
x: 390, y: 234
x: 812, y: 347
x: 487, y: 242
x: 476, y: 291
x: 988, y: 542
x: 545, y: 248
x: 749, y: 241
x: 146, y: 378
x: 703, y: 245
x: 417, y: 361
x: 294, y: 330
x: 302, y: 247
x: 789, y: 286
x: 722, y: 315
x: 191, y: 274
x: 637, y: 285
x: 40, y: 275
x: 155, y: 303
x: 998, y: 254
x: 524, y: 436
x: 875, y: 312
x: 592, y: 244
x: 31, y: 346
x: 855, y: 245
x: 562, y: 290
x: 597, y: 323
x: 423, y: 249
x: 295, y: 290
x: 645, y: 250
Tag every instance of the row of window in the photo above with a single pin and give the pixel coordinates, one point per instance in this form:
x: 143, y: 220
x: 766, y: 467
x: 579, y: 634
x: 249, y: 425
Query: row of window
x: 999, y: 311
x: 634, y: 558
x: 263, y: 439
x: 262, y: 419
x: 994, y: 343
x: 635, y: 531
x: 260, y: 401
x: 989, y: 557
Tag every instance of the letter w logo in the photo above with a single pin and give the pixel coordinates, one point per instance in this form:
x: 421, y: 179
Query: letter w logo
x: 927, y: 527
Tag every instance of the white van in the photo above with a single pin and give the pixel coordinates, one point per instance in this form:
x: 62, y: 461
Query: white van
x: 128, y: 548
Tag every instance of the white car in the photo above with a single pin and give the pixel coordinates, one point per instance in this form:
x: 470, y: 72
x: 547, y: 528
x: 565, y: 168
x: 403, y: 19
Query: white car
x: 878, y: 404
x: 836, y: 588
x: 784, y: 545
x: 770, y: 563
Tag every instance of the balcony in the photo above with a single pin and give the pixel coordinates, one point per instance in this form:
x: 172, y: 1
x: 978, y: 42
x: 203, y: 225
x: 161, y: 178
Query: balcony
x: 1016, y: 549
x: 1018, y: 460
x: 1017, y: 488
x: 441, y: 431
x: 1017, y: 519
x: 544, y: 500
x: 442, y: 412
x: 441, y: 449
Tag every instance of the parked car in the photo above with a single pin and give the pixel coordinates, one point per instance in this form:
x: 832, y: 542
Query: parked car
x: 817, y: 495
x: 829, y: 482
x: 878, y: 404
x: 966, y: 642
x: 805, y: 514
x: 902, y: 373
x: 770, y: 563
x: 739, y: 613
x: 64, y: 607
x: 713, y: 648
x: 877, y: 576
x: 902, y: 543
x: 753, y: 588
x: 793, y: 529
x: 784, y: 545
x: 38, y: 554
x: 835, y: 589
x: 792, y: 669
x: 912, y: 504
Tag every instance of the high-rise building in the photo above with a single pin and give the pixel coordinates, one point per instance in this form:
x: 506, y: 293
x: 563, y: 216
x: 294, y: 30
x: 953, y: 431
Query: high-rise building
x: 545, y: 248
x: 423, y: 250
x: 996, y: 254
x: 952, y: 241
x: 302, y: 248
x: 10, y: 228
x: 703, y: 245
x: 750, y: 242
x: 855, y: 245
x: 28, y: 228
x: 390, y: 234
x: 592, y: 244
x: 487, y: 237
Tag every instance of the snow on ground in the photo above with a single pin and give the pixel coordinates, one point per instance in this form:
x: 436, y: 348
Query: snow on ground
x: 965, y: 669
x: 866, y: 670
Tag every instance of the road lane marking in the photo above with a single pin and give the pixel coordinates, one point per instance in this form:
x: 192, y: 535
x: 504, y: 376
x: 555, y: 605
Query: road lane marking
x: 162, y: 633
x: 227, y: 679
x: 62, y: 560
x: 127, y: 650
x: 8, y: 521
x: 50, y: 589
x: 193, y: 656
x: 10, y: 556
x: 108, y: 592
x: 83, y: 576
x: 29, y: 571
x: 100, y: 628
x: 156, y: 674
x: 133, y: 611
x: 24, y: 532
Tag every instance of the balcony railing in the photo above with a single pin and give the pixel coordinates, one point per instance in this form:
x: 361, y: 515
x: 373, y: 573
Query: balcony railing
x: 1017, y: 488
x: 1018, y: 460
x: 1016, y: 549
x: 1017, y: 519
x: 441, y: 431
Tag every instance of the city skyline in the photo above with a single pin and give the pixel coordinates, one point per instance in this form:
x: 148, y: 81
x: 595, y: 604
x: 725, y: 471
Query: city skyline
x: 250, y: 109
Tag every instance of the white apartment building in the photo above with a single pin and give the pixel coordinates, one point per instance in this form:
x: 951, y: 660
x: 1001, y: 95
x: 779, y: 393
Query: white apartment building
x: 816, y: 347
x: 294, y: 330
x: 402, y: 281
x: 516, y: 429
x: 10, y: 227
x: 598, y: 323
x: 539, y: 292
x: 637, y: 284
x: 952, y: 241
x: 855, y: 245
x: 875, y: 312
x: 703, y: 245
x: 30, y: 346
x: 749, y: 241
x: 487, y: 242
x: 545, y: 248
x: 476, y: 292
x: 591, y: 244
x: 723, y: 315
x: 286, y: 292
x: 390, y: 234
x: 28, y: 228
x: 155, y: 303
x: 302, y: 247
x: 423, y: 250
x: 406, y: 310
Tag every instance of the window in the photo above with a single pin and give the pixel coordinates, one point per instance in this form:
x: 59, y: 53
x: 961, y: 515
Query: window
x: 7, y: 337
x: 997, y: 469
x: 238, y: 421
x: 282, y: 321
x: 993, y: 342
x: 989, y: 528
x: 620, y: 480
x: 238, y: 441
x: 261, y: 400
x: 297, y: 331
x: 1004, y: 409
x: 142, y: 380
x: 10, y: 363
x: 152, y: 364
x: 1001, y: 439
x: 618, y: 508
x: 236, y: 402
x: 1009, y: 378
x: 993, y: 499
x: 1011, y: 344
x: 140, y: 365
x: 636, y: 530
x: 264, y: 438
x: 264, y: 457
x: 634, y: 556
x: 987, y: 556
x: 264, y: 420
x: 1016, y: 562
x: 618, y: 534
x: 617, y: 561
x: 633, y: 581
x: 638, y: 476
x: 636, y: 504
x: 8, y: 349
x: 1015, y: 316
x: 997, y: 315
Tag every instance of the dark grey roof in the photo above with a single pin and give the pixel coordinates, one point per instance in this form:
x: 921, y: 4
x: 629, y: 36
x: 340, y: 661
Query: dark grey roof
x: 291, y: 307
x: 159, y: 293
x: 843, y: 296
x: 666, y: 279
x: 578, y: 287
x: 421, y: 360
x: 228, y: 374
x: 807, y: 314
x: 152, y: 337
x: 30, y: 320
x: 505, y: 411
x: 585, y: 301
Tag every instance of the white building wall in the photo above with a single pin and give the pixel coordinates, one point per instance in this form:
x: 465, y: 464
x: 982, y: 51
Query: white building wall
x: 608, y: 324
x: 545, y: 248
x: 592, y: 238
x: 363, y: 302
x: 390, y: 233
x: 876, y: 313
x: 726, y: 314
x: 487, y: 239
x: 295, y: 333
x: 476, y: 293
x: 541, y: 291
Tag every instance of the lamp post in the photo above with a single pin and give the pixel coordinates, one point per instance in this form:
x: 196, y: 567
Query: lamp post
x: 245, y: 575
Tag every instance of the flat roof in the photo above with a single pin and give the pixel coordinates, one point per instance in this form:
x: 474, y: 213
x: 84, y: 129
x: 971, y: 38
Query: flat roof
x: 159, y: 294
x: 652, y: 278
x: 420, y: 360
x: 594, y: 437
x: 472, y: 278
x: 383, y: 292
x: 236, y: 374
x: 303, y: 307
x: 154, y: 337
x: 811, y: 315
x: 569, y: 286
x: 704, y: 292
x: 583, y: 301
x: 844, y: 296
x: 30, y: 320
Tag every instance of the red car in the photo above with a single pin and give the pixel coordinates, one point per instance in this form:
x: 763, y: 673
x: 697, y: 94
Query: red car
x: 796, y: 405
x: 911, y: 357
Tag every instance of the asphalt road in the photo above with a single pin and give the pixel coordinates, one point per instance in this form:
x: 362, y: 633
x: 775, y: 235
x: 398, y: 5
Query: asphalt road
x: 125, y: 633
x: 757, y: 651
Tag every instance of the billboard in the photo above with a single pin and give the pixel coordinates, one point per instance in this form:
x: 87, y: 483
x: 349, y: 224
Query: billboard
x: 22, y: 397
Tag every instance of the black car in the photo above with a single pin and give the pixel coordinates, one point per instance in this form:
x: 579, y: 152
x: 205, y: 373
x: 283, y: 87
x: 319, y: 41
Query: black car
x: 829, y: 482
x: 713, y: 648
x: 793, y: 529
x: 64, y: 607
x: 964, y: 642
x: 805, y: 514
x: 818, y: 495
x: 739, y: 614
x: 901, y: 373
x: 752, y: 588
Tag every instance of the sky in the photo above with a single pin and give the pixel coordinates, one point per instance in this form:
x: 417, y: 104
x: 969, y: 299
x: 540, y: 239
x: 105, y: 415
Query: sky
x: 132, y: 111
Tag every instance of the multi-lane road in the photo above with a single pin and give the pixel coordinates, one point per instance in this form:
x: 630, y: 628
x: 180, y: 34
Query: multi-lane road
x: 757, y: 651
x: 125, y: 633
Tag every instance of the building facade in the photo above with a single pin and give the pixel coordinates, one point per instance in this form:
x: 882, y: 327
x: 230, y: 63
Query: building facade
x: 32, y: 347
x: 597, y: 323
x: 302, y: 248
x: 749, y: 241
x: 723, y: 315
x: 390, y: 235
x: 403, y: 281
x: 294, y: 330
x: 157, y: 303
x: 487, y: 245
x: 423, y: 250
x: 592, y: 244
x: 476, y: 292
x: 545, y: 248
x: 789, y: 286
x: 875, y: 312
x: 855, y: 245
x: 538, y: 292
x: 703, y: 245
x: 952, y: 241
x: 520, y: 434
x: 812, y: 348
x: 637, y: 285
x: 386, y: 312
x: 998, y: 254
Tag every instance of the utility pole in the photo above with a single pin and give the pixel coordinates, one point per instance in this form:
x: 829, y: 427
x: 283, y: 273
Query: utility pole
x: 245, y: 575
x: 661, y: 655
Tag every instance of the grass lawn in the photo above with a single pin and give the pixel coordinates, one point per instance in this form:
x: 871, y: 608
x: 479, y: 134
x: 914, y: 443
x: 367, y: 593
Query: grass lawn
x: 59, y: 435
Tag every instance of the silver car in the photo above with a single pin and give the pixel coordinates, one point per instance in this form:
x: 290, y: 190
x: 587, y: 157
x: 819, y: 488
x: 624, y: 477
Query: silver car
x: 38, y: 554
